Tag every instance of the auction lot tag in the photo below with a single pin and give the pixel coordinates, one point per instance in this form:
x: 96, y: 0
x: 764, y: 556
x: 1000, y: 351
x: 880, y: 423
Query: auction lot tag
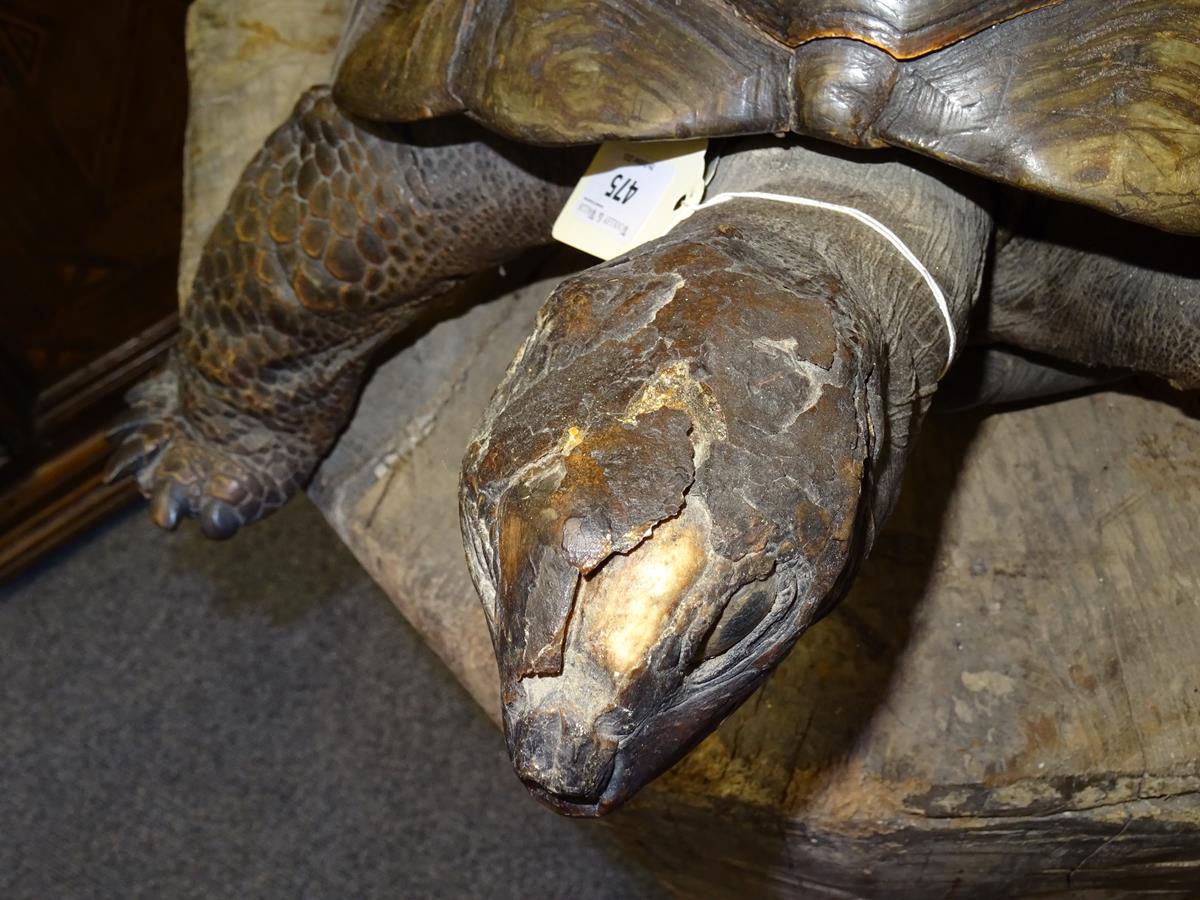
x: 629, y: 193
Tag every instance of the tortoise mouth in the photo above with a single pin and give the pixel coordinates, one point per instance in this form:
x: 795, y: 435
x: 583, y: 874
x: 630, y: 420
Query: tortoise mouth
x: 617, y: 787
x: 565, y: 805
x: 561, y: 756
x: 585, y: 775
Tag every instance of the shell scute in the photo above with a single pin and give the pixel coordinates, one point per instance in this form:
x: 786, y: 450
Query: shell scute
x: 1094, y: 103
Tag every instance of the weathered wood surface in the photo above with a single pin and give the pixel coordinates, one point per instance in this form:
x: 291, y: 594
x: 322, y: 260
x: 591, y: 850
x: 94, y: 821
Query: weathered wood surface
x: 1007, y: 703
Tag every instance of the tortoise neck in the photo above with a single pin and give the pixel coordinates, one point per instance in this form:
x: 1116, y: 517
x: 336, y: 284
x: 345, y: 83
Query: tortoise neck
x: 905, y: 302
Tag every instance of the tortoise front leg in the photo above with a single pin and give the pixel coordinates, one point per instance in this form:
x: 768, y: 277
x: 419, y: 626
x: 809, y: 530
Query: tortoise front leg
x: 337, y: 235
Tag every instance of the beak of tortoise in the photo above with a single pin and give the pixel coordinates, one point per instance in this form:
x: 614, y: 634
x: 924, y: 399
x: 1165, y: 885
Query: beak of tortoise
x: 639, y: 658
x: 588, y: 775
x: 587, y: 772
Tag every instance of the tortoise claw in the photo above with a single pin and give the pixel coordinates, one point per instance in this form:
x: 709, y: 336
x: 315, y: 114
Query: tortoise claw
x: 126, y: 422
x: 227, y: 489
x: 127, y: 459
x: 155, y: 390
x: 167, y: 505
x: 218, y: 520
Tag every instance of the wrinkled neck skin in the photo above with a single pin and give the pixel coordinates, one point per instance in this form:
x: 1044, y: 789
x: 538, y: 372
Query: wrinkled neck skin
x: 941, y: 215
x: 691, y: 454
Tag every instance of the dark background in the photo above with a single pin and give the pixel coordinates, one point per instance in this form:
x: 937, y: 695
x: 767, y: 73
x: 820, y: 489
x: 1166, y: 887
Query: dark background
x: 93, y: 104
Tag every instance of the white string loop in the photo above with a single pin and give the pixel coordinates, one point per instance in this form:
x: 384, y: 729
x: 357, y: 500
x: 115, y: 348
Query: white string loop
x: 690, y: 206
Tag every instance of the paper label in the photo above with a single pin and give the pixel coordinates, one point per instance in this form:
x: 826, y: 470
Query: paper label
x: 629, y: 194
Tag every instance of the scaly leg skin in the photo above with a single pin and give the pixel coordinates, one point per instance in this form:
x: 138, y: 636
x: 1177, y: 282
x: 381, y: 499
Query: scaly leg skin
x: 689, y: 457
x: 337, y: 235
x: 1089, y: 289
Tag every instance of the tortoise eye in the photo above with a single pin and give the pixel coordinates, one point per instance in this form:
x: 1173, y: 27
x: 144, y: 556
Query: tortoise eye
x: 742, y: 613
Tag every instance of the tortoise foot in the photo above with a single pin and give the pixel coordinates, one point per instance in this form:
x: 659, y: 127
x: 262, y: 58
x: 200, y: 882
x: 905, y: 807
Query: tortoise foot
x: 186, y: 471
x: 336, y: 237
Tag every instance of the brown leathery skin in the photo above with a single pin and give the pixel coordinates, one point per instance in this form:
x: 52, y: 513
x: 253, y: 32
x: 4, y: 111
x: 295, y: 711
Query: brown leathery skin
x: 1089, y: 289
x: 336, y: 236
x: 609, y: 487
x: 593, y: 670
x: 1089, y: 102
x: 772, y: 362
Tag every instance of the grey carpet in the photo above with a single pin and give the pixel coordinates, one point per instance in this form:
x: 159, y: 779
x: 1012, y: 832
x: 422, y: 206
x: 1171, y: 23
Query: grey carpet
x: 253, y: 719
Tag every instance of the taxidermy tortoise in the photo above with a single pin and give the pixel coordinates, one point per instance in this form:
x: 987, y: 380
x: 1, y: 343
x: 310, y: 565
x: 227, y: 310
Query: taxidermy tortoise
x: 695, y: 449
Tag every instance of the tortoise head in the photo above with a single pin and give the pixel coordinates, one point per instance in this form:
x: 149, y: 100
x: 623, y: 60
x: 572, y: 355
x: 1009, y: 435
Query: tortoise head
x: 664, y: 494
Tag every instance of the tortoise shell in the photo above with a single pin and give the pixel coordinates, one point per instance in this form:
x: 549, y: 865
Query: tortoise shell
x: 1098, y: 103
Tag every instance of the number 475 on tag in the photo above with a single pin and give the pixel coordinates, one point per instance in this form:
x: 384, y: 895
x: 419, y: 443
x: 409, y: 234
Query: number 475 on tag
x: 629, y: 193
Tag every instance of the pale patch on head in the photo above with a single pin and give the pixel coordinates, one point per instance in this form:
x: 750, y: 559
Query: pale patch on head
x: 627, y: 602
x: 571, y: 439
x: 674, y: 387
x: 818, y: 377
